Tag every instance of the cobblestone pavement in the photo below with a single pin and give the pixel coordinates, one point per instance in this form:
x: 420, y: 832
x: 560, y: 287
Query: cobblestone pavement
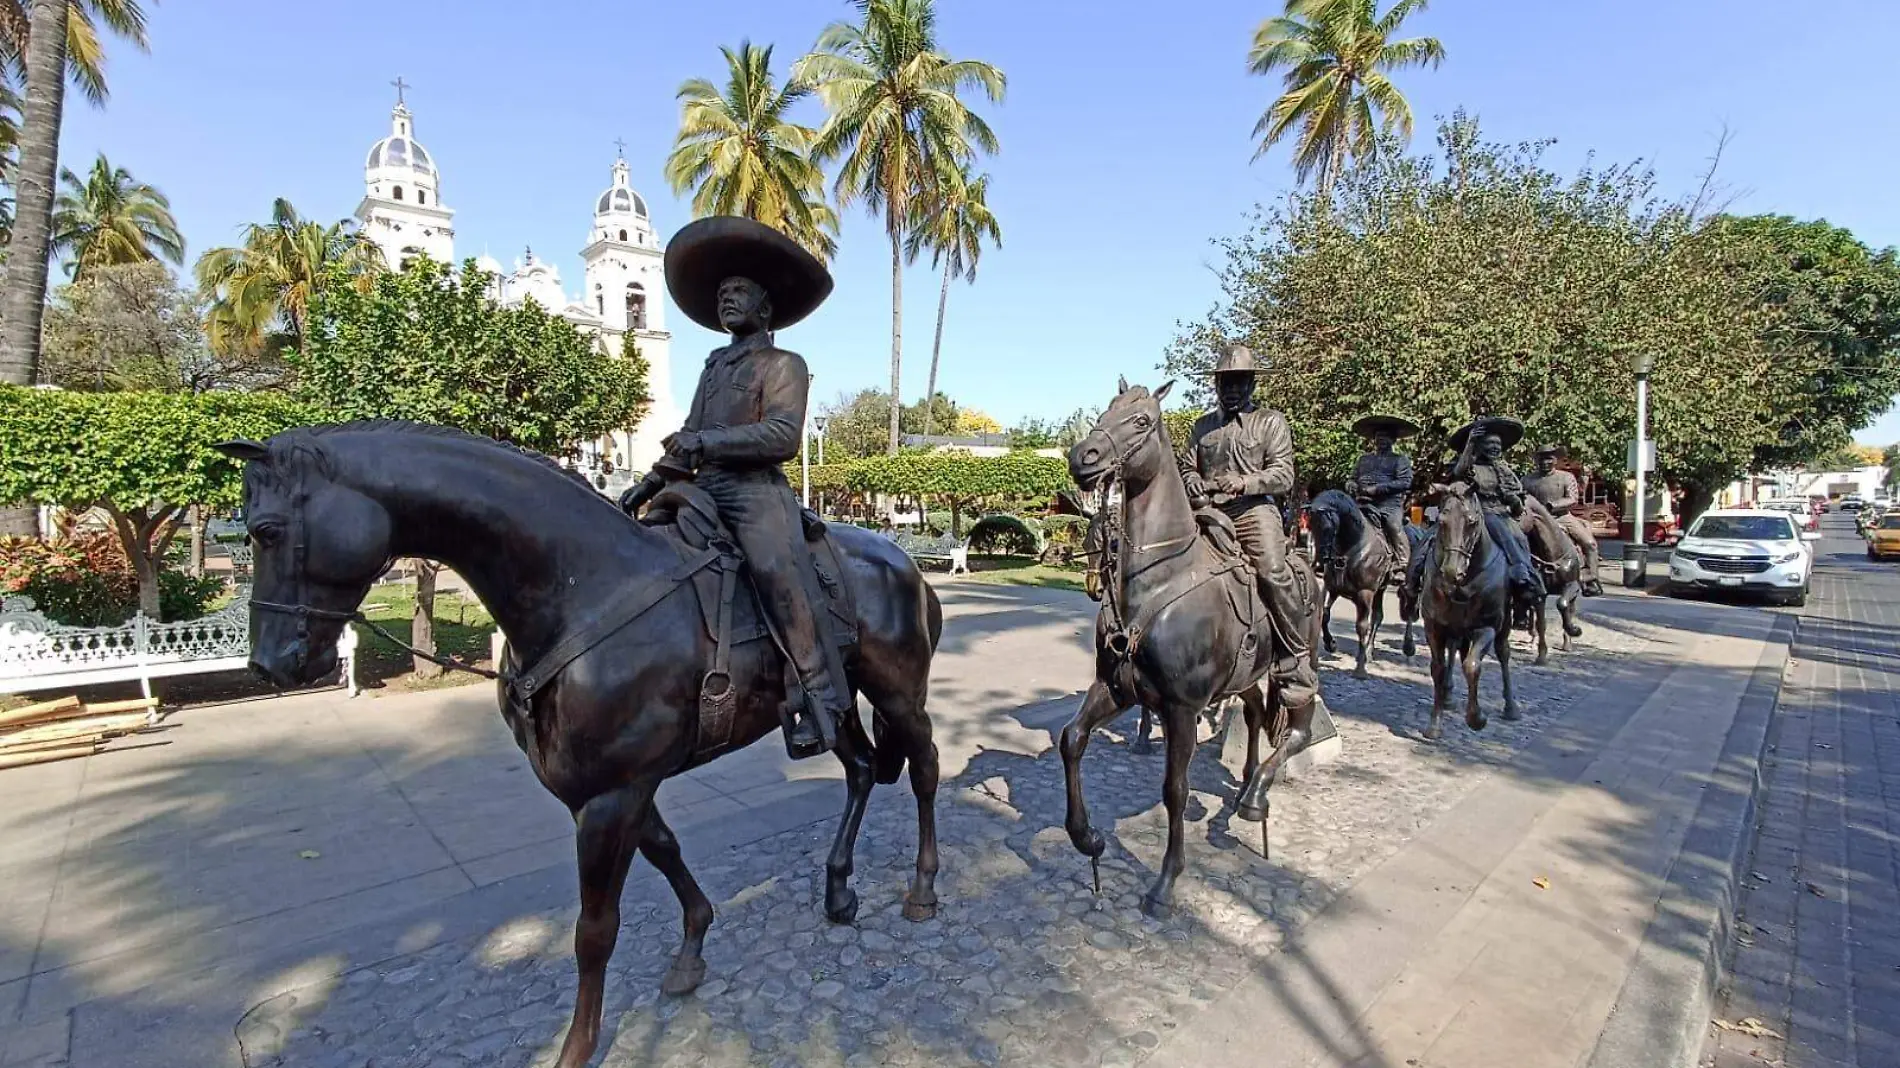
x: 1024, y: 965
x: 1814, y: 979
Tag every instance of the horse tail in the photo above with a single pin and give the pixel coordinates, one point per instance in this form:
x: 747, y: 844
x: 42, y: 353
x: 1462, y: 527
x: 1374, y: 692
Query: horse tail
x: 933, y: 611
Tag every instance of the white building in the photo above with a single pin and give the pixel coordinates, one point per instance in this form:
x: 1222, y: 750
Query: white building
x: 622, y: 289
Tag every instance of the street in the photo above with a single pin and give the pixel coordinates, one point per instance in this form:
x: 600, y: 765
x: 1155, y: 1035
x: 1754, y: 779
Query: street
x: 1816, y: 952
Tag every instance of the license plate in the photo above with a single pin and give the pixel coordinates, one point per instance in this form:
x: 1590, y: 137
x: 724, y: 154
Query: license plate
x: 1730, y: 580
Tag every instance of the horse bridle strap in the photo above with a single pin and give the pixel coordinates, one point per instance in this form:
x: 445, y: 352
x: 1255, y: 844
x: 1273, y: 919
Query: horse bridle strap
x: 305, y: 613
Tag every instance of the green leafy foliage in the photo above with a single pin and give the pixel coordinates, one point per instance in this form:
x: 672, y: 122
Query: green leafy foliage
x: 434, y: 347
x: 959, y: 475
x: 1482, y: 282
x: 133, y: 327
x: 143, y: 458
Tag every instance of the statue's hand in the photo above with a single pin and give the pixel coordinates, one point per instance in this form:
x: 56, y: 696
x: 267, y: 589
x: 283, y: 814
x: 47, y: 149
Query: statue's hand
x: 1196, y: 485
x: 1232, y: 485
x: 685, y: 445
x: 640, y: 493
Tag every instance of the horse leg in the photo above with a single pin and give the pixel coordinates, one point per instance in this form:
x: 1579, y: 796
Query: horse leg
x: 1254, y: 702
x: 1255, y: 803
x: 662, y: 850
x: 1363, y: 601
x: 1378, y: 616
x: 1567, y: 607
x: 1098, y: 707
x: 1541, y: 626
x: 607, y: 831
x: 854, y: 752
x: 1441, y: 680
x: 1144, y: 734
x: 921, y: 902
x: 1474, y: 663
x: 1326, y: 622
x: 1504, y: 676
x: 1159, y: 900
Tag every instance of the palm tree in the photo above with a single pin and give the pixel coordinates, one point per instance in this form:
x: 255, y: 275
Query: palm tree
x: 741, y: 156
x: 85, y: 58
x: 260, y: 291
x: 896, y: 123
x: 953, y: 227
x: 1336, y: 55
x: 112, y: 218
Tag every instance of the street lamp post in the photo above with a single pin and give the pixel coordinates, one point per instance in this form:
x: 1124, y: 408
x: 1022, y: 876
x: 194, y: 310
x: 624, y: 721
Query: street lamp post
x: 804, y: 447
x: 1636, y: 557
x: 818, y: 423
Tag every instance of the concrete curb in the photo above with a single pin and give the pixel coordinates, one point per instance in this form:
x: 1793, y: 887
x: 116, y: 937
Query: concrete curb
x: 1662, y: 1012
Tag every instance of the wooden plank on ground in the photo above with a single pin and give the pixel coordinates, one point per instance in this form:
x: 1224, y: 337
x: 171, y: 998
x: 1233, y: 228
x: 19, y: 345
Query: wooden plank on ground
x: 44, y: 756
x: 100, y: 708
x: 44, y: 709
x: 119, y: 724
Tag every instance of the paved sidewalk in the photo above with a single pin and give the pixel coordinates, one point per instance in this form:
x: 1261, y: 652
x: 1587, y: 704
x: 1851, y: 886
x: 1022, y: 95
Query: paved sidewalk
x: 1814, y: 980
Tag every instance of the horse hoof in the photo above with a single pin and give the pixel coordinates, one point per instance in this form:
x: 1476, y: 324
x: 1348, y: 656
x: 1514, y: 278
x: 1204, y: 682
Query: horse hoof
x: 683, y: 978
x: 1510, y: 713
x: 1542, y: 659
x: 845, y: 910
x: 1144, y: 746
x: 1251, y: 813
x: 1155, y: 909
x: 1573, y: 630
x: 1433, y: 733
x: 918, y: 911
x: 1360, y: 672
x: 1092, y: 844
x: 1411, y: 650
x: 1475, y: 720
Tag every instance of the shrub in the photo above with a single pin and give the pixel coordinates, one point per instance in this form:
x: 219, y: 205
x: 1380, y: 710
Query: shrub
x: 85, y: 580
x: 180, y: 596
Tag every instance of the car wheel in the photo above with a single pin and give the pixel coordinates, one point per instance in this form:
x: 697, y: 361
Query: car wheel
x: 1871, y: 554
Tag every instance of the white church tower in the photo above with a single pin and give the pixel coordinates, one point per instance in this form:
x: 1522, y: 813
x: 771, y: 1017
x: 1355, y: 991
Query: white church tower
x: 402, y: 210
x: 626, y: 288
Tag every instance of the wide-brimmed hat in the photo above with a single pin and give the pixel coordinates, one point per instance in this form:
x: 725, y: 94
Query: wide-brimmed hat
x: 1508, y: 430
x: 1394, y: 425
x: 1237, y: 360
x: 708, y: 251
x: 1548, y: 449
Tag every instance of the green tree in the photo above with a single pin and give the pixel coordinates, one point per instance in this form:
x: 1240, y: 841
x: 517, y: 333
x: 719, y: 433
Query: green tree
x: 23, y: 303
x: 142, y: 458
x: 1836, y: 327
x: 83, y: 51
x: 112, y: 218
x: 896, y: 123
x: 960, y: 479
x: 1336, y: 55
x: 739, y: 153
x: 259, y: 292
x: 428, y: 345
x: 954, y: 226
x: 132, y: 327
x: 1483, y: 282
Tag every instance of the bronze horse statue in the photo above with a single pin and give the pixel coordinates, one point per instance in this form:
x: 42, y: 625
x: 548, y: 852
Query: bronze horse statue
x: 1181, y: 628
x: 1560, y: 566
x: 605, y: 614
x: 1465, y: 599
x: 1353, y: 561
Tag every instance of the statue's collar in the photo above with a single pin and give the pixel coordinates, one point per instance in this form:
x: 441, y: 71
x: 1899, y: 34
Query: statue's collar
x: 1245, y: 409
x: 745, y: 346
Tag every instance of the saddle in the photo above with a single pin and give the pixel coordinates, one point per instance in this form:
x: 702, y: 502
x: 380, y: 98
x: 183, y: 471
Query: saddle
x: 729, y: 603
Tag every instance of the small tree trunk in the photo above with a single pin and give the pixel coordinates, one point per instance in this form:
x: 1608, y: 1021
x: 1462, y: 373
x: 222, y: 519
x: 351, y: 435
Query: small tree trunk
x: 936, y: 348
x: 1696, y: 499
x: 422, y: 628
x: 146, y: 568
x: 897, y: 330
x: 197, y: 541
x: 956, y: 518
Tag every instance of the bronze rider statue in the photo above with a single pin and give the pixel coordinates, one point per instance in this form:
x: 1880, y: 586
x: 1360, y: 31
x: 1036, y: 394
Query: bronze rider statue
x: 747, y: 417
x: 1239, y: 458
x: 1382, y: 478
x: 1480, y: 445
x: 1559, y: 493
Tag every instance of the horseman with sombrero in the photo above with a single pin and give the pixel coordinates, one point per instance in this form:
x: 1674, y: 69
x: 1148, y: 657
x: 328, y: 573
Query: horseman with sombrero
x: 1239, y: 458
x: 1481, y: 445
x: 741, y: 277
x: 1558, y: 491
x: 1382, y: 478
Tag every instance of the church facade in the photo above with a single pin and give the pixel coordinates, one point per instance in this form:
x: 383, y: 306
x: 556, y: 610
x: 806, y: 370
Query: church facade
x: 622, y: 288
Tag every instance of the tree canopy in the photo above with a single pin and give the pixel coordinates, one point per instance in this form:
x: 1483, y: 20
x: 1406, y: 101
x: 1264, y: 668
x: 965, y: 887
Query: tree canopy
x: 435, y: 347
x: 1480, y: 281
x: 133, y: 327
x: 144, y: 458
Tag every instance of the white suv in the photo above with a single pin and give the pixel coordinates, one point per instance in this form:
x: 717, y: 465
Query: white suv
x: 1754, y: 549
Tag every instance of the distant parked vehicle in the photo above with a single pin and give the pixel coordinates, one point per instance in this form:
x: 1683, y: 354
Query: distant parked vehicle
x: 1853, y: 502
x: 1756, y: 550
x: 1883, y: 537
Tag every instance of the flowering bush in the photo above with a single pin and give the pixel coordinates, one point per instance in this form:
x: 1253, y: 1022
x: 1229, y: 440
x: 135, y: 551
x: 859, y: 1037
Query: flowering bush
x: 85, y: 580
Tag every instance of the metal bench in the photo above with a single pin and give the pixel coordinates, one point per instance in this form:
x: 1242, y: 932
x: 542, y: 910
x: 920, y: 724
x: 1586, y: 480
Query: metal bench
x: 945, y: 549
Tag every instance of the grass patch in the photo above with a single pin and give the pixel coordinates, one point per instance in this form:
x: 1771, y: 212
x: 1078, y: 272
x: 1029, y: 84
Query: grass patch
x: 462, y: 629
x: 1021, y: 571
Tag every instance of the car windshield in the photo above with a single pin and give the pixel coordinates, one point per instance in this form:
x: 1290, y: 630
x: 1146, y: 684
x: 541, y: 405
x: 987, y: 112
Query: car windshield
x: 1743, y: 528
x: 1890, y: 522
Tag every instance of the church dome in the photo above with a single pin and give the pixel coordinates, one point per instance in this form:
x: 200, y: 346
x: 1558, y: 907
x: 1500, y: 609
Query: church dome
x: 620, y: 199
x: 400, y: 151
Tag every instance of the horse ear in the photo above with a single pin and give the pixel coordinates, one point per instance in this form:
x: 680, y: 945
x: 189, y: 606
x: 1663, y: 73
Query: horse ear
x: 1163, y: 391
x: 244, y: 449
x: 1122, y: 387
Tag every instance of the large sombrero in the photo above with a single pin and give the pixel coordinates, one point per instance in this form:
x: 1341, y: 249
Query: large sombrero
x: 1508, y: 430
x: 1238, y: 359
x: 1548, y: 448
x: 1394, y: 425
x: 708, y: 251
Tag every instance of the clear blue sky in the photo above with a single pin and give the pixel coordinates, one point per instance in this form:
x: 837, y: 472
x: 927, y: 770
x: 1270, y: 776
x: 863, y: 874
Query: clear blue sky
x: 1125, y: 140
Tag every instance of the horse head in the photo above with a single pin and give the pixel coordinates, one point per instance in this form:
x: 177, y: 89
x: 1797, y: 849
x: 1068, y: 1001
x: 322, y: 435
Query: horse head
x: 308, y: 576
x: 1325, y: 519
x: 1127, y: 442
x: 1460, y: 531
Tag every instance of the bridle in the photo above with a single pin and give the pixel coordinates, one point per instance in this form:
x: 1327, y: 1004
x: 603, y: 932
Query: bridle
x: 1469, y: 548
x: 1124, y: 634
x: 303, y: 611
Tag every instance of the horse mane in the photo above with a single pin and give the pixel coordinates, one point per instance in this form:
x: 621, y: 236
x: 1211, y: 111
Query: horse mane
x: 1335, y: 501
x: 432, y: 430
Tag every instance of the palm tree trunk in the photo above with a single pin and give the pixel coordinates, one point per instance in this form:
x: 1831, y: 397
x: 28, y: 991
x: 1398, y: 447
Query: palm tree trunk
x: 24, y: 300
x: 897, y: 332
x: 936, y: 348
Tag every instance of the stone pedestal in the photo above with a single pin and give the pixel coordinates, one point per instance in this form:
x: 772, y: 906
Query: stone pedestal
x: 1324, y: 748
